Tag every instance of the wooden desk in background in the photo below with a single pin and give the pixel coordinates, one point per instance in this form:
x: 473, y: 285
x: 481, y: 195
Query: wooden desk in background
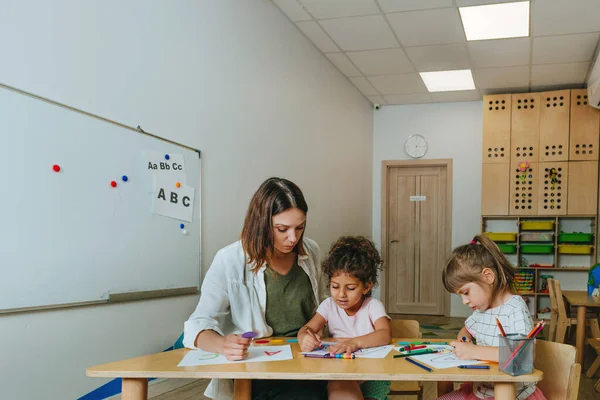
x: 581, y: 300
x: 136, y: 371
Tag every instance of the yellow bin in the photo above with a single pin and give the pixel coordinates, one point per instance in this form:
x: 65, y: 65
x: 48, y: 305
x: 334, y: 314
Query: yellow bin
x: 574, y: 249
x: 501, y: 236
x: 537, y: 225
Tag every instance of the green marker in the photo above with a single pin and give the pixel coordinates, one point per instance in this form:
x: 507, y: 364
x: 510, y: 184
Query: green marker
x: 416, y: 353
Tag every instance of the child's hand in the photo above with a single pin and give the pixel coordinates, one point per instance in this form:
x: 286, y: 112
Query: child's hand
x: 309, y: 341
x: 463, y: 338
x: 464, y: 350
x: 347, y: 346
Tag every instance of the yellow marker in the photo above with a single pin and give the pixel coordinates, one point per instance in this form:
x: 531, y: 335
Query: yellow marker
x: 178, y: 184
x: 277, y: 341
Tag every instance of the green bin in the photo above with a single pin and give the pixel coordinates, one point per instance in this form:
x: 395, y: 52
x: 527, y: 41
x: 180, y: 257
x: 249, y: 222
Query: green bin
x: 575, y: 237
x: 537, y: 248
x: 507, y: 248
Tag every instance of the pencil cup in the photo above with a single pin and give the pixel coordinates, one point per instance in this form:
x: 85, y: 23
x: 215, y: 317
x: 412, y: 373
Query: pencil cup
x: 516, y: 355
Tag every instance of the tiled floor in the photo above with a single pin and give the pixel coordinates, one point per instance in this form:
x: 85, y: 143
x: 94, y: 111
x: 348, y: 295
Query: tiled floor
x: 431, y: 326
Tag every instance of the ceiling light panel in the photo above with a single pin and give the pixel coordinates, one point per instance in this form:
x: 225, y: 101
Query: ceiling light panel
x: 496, y: 21
x: 447, y: 81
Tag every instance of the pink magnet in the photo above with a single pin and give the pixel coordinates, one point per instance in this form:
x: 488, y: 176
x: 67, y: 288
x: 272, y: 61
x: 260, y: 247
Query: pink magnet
x: 56, y: 168
x: 113, y: 184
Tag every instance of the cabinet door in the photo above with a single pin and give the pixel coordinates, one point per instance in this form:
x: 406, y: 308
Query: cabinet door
x: 585, y: 125
x: 554, y: 125
x: 553, y: 188
x: 494, y: 189
x: 525, y: 127
x: 583, y: 188
x: 496, y: 128
x: 523, y: 189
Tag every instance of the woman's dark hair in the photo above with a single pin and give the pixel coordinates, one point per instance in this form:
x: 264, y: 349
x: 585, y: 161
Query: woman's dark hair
x: 468, y: 261
x: 274, y: 196
x: 356, y: 256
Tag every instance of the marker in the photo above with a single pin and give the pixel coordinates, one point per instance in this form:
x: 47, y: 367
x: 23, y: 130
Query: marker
x: 418, y: 364
x: 343, y: 356
x: 416, y: 353
x: 464, y: 339
x: 474, y: 366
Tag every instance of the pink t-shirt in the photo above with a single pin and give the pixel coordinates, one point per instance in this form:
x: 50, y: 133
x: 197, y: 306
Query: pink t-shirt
x: 342, y: 325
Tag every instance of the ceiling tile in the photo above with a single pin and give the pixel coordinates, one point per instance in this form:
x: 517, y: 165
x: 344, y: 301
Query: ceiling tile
x: 343, y: 64
x: 398, y: 84
x: 377, y: 100
x: 564, y: 48
x: 524, y: 89
x: 418, y: 98
x: 381, y: 62
x: 468, y: 3
x: 501, y: 77
x: 559, y: 74
x: 293, y: 10
x: 360, y: 33
x: 500, y: 52
x: 340, y: 8
x: 411, y: 5
x: 417, y: 28
x: 314, y: 32
x: 556, y: 17
x: 461, y: 95
x: 439, y: 58
x: 364, y: 86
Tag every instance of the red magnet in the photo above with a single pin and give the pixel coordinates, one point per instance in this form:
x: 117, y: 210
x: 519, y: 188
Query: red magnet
x: 113, y: 183
x: 56, y: 167
x: 261, y: 341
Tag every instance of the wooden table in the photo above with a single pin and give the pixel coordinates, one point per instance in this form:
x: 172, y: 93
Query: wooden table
x: 136, y: 371
x: 581, y: 300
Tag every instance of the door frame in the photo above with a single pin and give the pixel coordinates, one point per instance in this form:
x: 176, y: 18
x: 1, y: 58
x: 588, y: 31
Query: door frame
x: 385, y: 169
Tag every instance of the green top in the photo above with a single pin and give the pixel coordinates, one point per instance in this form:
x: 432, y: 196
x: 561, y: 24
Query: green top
x: 290, y: 301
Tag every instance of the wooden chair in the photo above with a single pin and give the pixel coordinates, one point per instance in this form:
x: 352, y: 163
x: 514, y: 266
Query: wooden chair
x: 558, y: 362
x: 406, y: 329
x: 553, y: 311
x: 595, y: 343
x: 563, y: 319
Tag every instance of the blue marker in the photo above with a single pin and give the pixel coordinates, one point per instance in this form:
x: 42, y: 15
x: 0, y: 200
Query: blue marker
x: 474, y: 366
x: 464, y: 339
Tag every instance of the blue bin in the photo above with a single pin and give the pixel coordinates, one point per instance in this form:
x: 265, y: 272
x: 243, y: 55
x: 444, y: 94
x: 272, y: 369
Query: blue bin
x: 593, y: 278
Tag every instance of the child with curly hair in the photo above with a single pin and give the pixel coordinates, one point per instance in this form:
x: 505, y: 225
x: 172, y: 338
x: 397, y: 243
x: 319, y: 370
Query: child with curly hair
x: 350, y: 313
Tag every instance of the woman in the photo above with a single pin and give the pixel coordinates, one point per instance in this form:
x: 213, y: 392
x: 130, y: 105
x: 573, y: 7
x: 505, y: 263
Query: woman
x: 268, y: 282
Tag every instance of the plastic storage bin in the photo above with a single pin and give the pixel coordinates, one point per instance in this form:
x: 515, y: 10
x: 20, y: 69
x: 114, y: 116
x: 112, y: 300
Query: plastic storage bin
x: 508, y: 248
x: 537, y: 248
x: 537, y: 225
x: 575, y: 237
x: 575, y: 249
x: 537, y: 237
x: 501, y: 236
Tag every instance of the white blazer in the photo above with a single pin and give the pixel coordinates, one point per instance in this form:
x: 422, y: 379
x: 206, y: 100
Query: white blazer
x: 233, y: 299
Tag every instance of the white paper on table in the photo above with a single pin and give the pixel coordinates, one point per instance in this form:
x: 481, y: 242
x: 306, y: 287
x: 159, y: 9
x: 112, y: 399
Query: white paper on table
x: 255, y: 354
x: 429, y: 346
x: 443, y: 360
x: 374, y: 352
x: 320, y: 352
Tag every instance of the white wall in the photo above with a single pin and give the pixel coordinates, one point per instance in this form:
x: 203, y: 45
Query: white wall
x: 233, y: 78
x: 453, y: 130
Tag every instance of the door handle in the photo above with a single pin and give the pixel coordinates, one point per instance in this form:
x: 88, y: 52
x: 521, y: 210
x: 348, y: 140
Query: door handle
x: 393, y: 241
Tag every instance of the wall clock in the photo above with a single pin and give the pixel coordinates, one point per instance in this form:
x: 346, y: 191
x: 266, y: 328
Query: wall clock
x: 415, y: 146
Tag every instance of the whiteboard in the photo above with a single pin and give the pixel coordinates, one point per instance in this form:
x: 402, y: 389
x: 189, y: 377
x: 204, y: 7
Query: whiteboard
x: 69, y: 236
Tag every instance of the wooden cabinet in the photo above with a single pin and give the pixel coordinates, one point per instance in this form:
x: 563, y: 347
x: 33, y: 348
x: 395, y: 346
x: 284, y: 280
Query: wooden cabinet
x: 494, y: 187
x: 525, y: 127
x: 585, y: 128
x: 523, y: 189
x: 554, y: 125
x: 496, y: 128
x: 553, y: 184
x: 583, y: 188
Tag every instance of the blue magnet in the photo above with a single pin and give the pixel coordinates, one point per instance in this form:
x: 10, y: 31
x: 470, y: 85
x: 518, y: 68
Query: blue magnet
x: 292, y: 340
x: 181, y: 226
x: 167, y: 157
x: 125, y: 178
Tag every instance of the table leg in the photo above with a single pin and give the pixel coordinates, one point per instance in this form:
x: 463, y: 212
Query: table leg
x: 242, y: 389
x: 580, y: 332
x: 134, y: 389
x: 445, y: 387
x: 505, y: 391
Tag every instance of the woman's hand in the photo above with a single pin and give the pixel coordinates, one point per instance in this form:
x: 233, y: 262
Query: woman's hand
x: 235, y: 347
x: 464, y: 350
x: 347, y: 346
x: 309, y: 340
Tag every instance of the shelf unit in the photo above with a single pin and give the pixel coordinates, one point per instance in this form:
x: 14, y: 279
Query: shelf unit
x: 578, y: 264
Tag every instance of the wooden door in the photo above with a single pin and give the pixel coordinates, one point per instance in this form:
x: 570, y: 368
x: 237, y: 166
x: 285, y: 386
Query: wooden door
x: 554, y: 125
x: 585, y: 124
x: 553, y: 187
x: 495, y: 189
x: 496, y: 128
x: 525, y: 127
x: 583, y: 188
x: 524, y: 189
x: 417, y: 237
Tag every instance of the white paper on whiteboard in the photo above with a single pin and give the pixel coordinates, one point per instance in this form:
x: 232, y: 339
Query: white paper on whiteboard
x: 155, y: 164
x: 171, y: 201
